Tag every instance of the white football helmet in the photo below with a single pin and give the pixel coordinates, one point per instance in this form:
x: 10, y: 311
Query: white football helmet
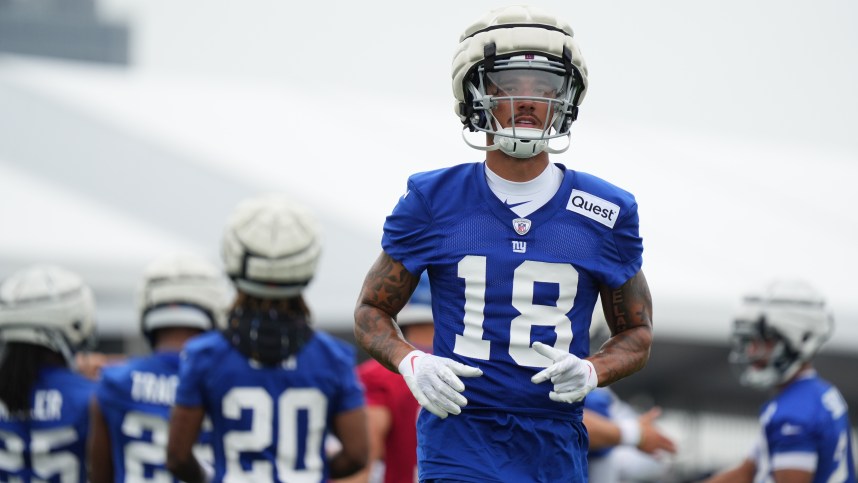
x: 778, y: 330
x: 48, y: 306
x: 182, y: 290
x: 500, y: 49
x: 271, y: 247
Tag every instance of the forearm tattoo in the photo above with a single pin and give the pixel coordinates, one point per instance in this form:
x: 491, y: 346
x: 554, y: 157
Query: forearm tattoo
x: 386, y: 289
x: 628, y: 311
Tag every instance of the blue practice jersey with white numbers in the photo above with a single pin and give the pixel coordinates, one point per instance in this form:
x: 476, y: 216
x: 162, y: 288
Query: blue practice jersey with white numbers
x: 51, y: 444
x: 135, y: 399
x: 500, y: 282
x: 806, y: 427
x: 269, y: 423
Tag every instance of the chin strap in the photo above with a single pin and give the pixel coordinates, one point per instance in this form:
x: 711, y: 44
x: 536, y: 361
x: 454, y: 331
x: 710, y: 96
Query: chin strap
x: 515, y: 150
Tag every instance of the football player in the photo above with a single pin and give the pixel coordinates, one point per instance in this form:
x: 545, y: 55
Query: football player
x: 272, y: 385
x: 46, y: 314
x: 805, y: 431
x: 517, y: 248
x: 181, y: 296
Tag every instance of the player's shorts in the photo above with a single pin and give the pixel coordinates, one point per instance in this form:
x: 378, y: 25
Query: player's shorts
x: 478, y: 446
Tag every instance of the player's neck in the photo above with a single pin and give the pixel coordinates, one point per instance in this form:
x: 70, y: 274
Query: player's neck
x: 515, y: 169
x: 173, y: 339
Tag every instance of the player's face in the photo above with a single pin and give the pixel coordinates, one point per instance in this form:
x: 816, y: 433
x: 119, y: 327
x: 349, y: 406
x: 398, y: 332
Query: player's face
x: 516, y: 91
x: 759, y: 351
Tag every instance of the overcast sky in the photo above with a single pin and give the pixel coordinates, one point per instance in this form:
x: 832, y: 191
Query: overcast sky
x: 778, y: 69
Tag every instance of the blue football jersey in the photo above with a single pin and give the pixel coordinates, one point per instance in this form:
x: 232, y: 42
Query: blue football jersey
x: 135, y: 399
x: 269, y: 423
x: 500, y: 282
x: 51, y: 444
x: 806, y: 426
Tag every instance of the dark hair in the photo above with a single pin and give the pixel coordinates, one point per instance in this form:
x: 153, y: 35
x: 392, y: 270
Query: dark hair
x: 288, y: 305
x: 19, y: 369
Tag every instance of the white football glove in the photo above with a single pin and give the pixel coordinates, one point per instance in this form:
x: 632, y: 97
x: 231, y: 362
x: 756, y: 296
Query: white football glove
x: 433, y: 381
x: 573, y: 378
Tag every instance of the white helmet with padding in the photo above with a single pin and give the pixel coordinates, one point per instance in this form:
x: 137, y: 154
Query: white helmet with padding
x: 182, y: 290
x: 49, y: 306
x: 517, y: 38
x: 271, y: 247
x: 790, y: 319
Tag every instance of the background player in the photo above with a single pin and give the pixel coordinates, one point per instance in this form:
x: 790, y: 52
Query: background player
x: 272, y: 385
x: 181, y: 296
x: 46, y: 314
x: 517, y: 250
x: 805, y: 434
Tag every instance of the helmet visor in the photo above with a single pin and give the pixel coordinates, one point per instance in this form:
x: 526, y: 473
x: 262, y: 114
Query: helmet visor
x: 525, y: 83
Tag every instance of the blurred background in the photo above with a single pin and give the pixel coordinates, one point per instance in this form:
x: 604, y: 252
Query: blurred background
x: 131, y: 128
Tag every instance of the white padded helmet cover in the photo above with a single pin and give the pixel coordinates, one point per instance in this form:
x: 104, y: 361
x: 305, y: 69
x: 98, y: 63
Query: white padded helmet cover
x: 518, y: 38
x: 796, y: 310
x: 180, y: 280
x: 42, y: 299
x: 271, y: 246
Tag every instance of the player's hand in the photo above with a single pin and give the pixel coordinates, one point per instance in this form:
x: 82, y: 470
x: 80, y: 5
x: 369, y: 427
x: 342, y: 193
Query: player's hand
x: 573, y: 378
x: 652, y: 440
x: 435, y: 383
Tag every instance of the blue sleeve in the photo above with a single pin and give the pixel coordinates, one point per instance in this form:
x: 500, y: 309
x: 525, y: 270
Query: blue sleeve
x: 408, y: 231
x: 599, y: 401
x: 109, y: 387
x: 622, y: 254
x: 790, y: 434
x: 193, y: 371
x: 350, y: 386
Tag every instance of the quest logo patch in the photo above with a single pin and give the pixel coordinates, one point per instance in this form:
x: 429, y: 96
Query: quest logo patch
x: 593, y: 207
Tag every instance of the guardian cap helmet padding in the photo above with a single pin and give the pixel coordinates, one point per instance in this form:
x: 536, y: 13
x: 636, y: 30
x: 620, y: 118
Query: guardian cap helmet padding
x: 777, y: 331
x: 271, y: 247
x: 47, y: 306
x: 182, y: 290
x: 518, y: 39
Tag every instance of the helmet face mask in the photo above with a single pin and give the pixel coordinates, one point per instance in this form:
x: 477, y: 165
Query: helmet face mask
x: 522, y: 102
x: 761, y: 357
x: 777, y: 332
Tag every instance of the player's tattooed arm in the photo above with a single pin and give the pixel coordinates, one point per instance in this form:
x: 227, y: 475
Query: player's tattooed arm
x: 386, y: 289
x: 628, y: 310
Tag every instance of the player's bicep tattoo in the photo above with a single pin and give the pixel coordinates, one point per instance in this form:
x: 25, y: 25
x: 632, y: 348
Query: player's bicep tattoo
x: 388, y: 285
x: 386, y: 289
x: 628, y: 306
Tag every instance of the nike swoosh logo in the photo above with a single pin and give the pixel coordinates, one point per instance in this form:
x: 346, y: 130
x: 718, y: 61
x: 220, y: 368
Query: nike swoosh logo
x: 412, y: 363
x: 513, y: 205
